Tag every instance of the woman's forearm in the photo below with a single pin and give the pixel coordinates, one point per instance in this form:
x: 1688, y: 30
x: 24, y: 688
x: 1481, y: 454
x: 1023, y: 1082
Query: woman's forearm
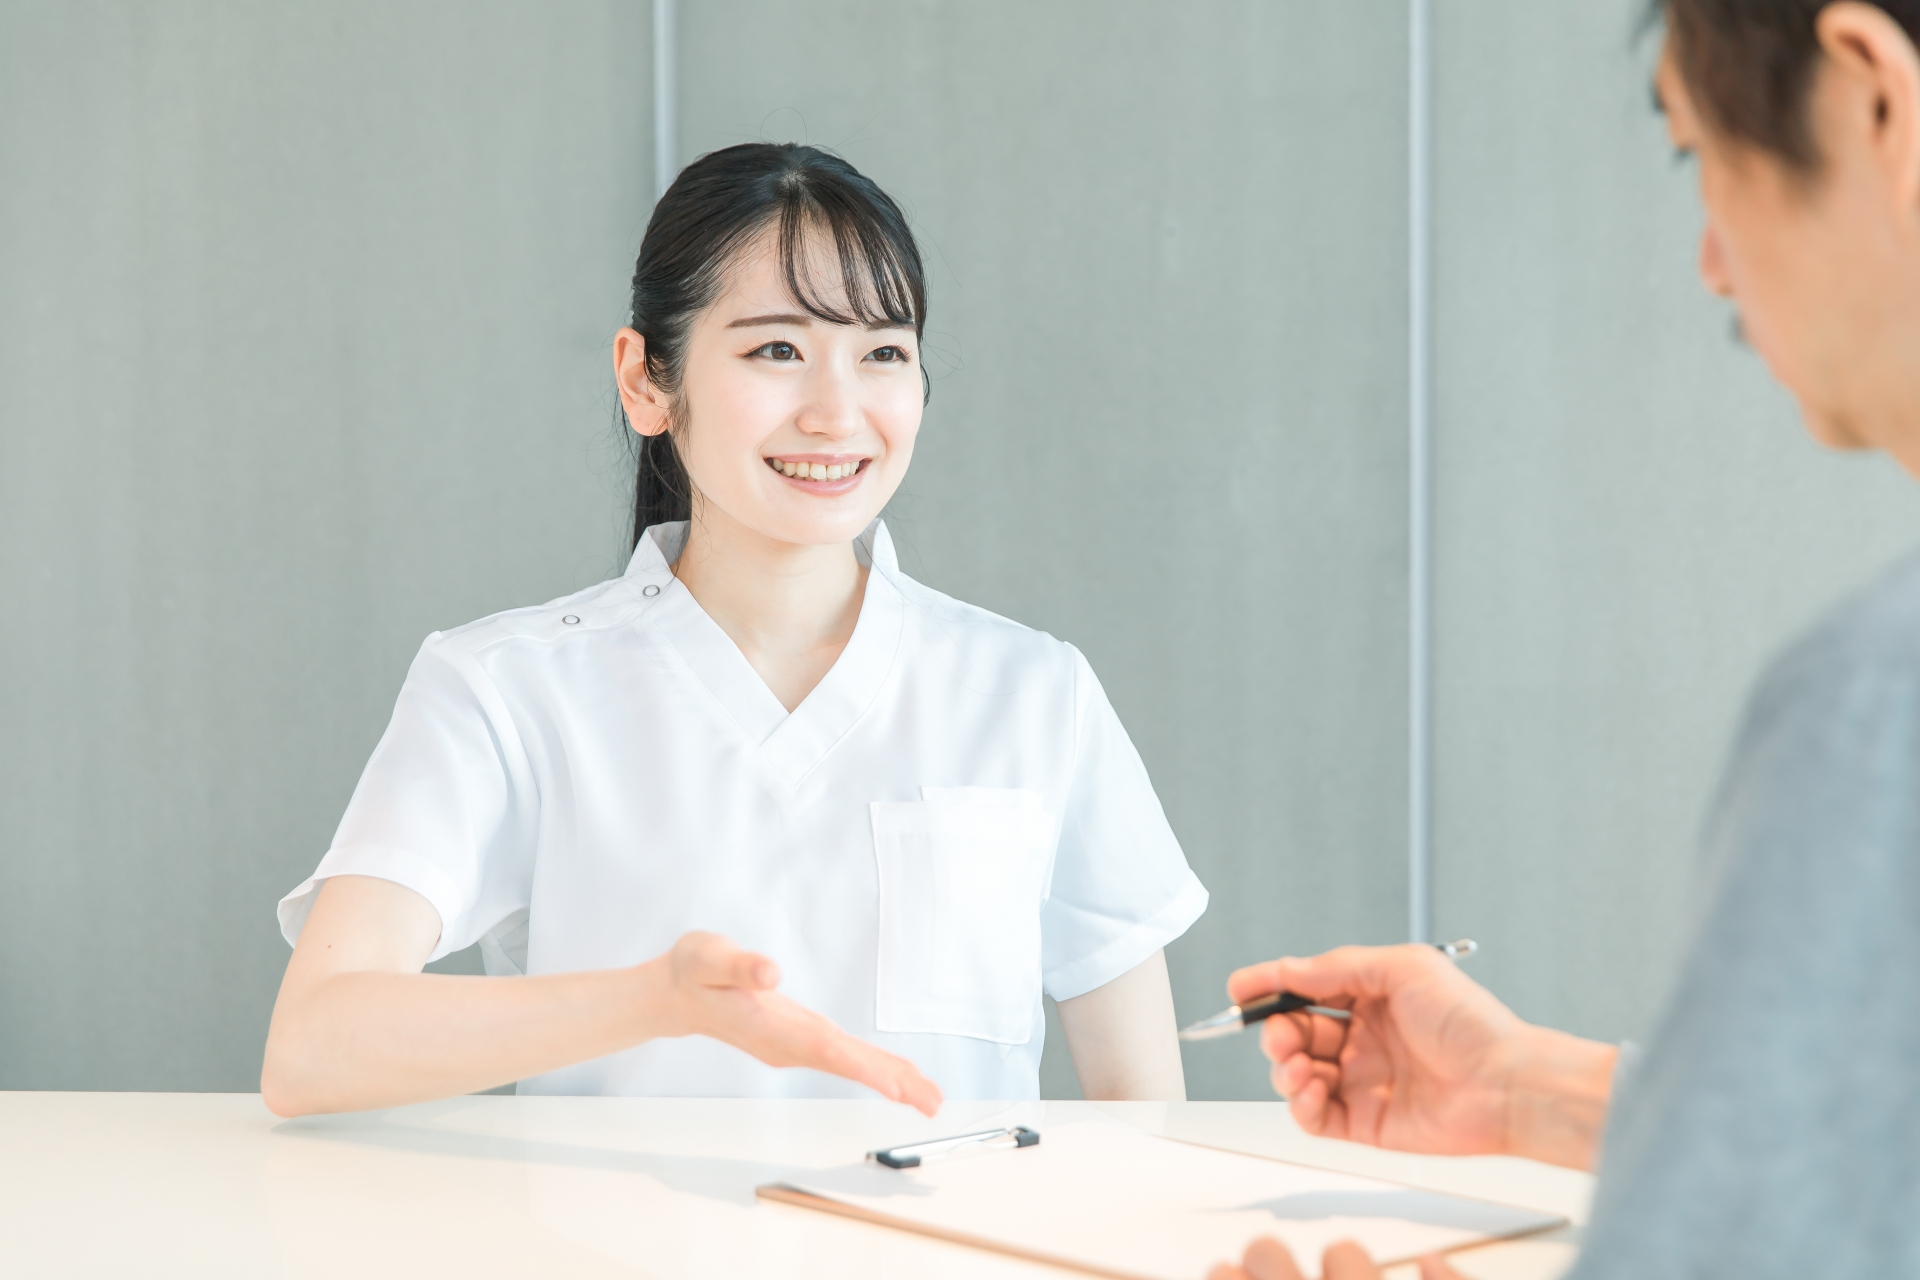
x: 357, y: 1040
x: 357, y: 1025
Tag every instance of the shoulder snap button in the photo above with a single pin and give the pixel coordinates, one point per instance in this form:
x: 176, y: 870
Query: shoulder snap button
x: 650, y: 590
x: 570, y: 619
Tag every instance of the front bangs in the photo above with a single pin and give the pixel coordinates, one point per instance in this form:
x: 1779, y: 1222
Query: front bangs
x: 878, y: 273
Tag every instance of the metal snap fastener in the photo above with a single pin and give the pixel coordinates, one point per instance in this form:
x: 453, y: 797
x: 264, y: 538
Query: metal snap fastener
x: 650, y: 590
x: 571, y: 618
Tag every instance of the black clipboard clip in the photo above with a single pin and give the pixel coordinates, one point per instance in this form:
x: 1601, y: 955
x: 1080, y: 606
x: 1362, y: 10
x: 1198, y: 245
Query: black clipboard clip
x: 908, y: 1156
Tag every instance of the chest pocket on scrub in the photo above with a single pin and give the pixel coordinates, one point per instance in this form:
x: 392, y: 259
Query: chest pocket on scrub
x: 963, y: 874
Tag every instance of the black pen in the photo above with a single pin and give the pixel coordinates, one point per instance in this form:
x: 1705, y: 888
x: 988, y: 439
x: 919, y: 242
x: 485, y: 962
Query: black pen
x: 1237, y: 1018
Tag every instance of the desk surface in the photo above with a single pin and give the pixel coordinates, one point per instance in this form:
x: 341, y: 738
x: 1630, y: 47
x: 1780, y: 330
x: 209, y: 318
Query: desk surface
x: 213, y: 1185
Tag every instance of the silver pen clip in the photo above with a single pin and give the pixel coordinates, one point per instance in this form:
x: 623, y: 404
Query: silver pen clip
x: 909, y: 1156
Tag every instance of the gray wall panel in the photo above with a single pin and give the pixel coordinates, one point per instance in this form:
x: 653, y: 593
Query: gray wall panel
x: 303, y: 328
x: 303, y: 325
x: 1630, y: 519
x: 304, y: 313
x: 1168, y: 337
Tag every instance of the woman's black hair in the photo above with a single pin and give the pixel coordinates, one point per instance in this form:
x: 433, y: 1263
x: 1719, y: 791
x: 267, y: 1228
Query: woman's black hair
x: 718, y: 206
x: 1748, y: 66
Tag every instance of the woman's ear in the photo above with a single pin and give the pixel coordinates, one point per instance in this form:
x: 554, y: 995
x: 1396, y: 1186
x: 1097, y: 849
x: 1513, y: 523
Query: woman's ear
x: 646, y: 407
x: 1864, y: 43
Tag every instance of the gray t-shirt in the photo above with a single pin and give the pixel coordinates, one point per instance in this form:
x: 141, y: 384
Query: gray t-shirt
x: 1772, y: 1126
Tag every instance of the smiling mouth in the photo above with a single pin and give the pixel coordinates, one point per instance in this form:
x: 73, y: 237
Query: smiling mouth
x: 817, y: 471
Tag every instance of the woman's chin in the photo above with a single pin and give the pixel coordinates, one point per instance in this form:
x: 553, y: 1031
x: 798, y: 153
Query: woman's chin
x: 824, y: 528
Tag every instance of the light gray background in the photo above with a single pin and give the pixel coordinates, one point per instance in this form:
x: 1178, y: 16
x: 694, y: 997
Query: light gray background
x: 1630, y: 518
x: 304, y: 313
x: 304, y: 318
x: 1168, y: 309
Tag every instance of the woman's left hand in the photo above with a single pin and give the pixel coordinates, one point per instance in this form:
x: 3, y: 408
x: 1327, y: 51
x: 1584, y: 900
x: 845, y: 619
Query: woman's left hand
x: 1268, y: 1259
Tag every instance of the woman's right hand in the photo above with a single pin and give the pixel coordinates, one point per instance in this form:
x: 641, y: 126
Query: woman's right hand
x: 708, y: 986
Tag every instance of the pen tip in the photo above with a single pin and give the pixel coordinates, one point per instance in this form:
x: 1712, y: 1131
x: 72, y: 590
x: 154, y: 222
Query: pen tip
x: 1221, y: 1024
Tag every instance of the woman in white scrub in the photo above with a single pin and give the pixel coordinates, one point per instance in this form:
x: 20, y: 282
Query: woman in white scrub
x: 763, y: 816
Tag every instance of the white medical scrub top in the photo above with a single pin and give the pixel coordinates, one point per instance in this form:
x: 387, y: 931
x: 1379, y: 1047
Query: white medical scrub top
x: 951, y: 822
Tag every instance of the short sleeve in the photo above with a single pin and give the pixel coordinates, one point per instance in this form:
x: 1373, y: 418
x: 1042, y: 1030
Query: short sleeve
x: 1121, y: 887
x: 445, y: 806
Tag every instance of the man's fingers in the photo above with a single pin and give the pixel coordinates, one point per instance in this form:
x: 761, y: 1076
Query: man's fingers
x: 1292, y: 1074
x: 1347, y: 1261
x: 1254, y: 981
x: 1268, y: 1259
x: 1227, y: 1271
x: 1327, y: 1037
x: 1317, y: 1111
x: 1434, y: 1267
x: 1337, y: 977
x: 1309, y: 1033
x: 1284, y: 1036
x: 1297, y: 1072
x: 1308, y: 1102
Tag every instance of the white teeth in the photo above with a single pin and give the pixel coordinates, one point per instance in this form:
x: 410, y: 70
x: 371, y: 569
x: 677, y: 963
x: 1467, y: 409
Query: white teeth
x: 814, y: 470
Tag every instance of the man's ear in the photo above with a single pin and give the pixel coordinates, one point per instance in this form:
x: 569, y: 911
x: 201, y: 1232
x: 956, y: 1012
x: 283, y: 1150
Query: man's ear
x: 646, y: 407
x: 1865, y: 45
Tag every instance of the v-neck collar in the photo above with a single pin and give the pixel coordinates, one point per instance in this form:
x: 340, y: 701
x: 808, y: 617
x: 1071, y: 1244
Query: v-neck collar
x: 788, y: 743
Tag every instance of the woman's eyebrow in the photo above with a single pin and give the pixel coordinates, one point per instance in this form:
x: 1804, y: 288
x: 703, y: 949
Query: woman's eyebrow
x: 749, y: 322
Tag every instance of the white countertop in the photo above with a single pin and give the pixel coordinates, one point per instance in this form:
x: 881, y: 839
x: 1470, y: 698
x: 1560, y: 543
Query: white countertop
x: 213, y: 1185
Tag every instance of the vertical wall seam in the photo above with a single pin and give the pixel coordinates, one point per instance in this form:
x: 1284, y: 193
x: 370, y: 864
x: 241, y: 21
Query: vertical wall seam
x: 666, y: 99
x: 1420, y: 471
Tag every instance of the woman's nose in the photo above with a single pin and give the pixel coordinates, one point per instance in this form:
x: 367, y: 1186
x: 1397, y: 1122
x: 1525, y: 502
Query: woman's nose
x: 832, y: 408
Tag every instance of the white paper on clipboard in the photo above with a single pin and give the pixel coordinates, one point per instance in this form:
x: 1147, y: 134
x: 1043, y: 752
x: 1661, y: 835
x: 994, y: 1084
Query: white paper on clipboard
x: 1111, y: 1201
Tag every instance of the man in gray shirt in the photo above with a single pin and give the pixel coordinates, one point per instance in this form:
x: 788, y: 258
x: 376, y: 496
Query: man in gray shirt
x: 1772, y: 1125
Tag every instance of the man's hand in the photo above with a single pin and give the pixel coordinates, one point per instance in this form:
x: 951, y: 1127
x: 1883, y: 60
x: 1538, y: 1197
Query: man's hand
x: 1430, y: 1061
x: 710, y: 987
x: 1268, y: 1259
x: 1422, y: 1066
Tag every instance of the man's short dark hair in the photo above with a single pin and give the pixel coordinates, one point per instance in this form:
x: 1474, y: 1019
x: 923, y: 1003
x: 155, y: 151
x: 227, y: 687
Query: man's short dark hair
x: 1749, y: 65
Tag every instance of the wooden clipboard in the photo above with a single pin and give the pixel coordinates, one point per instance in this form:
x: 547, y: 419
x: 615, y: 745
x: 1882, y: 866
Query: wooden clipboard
x: 787, y: 1195
x: 1020, y: 1220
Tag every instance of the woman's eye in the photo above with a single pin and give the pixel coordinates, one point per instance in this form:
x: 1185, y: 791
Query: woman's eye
x: 778, y: 351
x: 888, y: 355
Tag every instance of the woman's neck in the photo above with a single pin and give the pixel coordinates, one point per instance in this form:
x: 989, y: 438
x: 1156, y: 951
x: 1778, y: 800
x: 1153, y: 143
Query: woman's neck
x: 790, y: 608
